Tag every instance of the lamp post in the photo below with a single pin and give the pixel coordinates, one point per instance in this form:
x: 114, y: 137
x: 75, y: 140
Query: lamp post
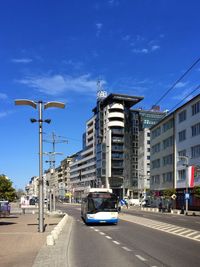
x: 40, y: 105
x: 186, y: 158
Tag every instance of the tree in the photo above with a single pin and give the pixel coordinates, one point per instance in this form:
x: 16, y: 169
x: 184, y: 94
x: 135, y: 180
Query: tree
x: 7, y: 192
x: 196, y: 191
x: 167, y: 193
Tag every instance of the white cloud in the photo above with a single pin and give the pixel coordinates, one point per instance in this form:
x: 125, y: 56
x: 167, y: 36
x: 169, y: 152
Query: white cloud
x: 59, y: 84
x: 3, y: 114
x: 155, y: 47
x: 181, y: 84
x: 74, y: 64
x: 3, y: 96
x: 99, y: 28
x: 140, y: 51
x: 126, y: 37
x: 21, y: 60
x: 183, y: 95
x: 113, y: 3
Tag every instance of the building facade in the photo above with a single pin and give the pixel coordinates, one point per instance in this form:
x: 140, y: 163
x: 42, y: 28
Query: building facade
x: 175, y: 145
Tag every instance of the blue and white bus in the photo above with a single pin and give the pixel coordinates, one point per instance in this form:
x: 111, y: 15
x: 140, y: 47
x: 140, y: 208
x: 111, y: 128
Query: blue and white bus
x: 99, y: 205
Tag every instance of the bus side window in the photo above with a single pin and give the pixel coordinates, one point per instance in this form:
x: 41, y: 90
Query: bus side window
x: 91, y: 206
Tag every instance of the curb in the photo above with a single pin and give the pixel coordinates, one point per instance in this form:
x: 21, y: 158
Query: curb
x: 52, y: 238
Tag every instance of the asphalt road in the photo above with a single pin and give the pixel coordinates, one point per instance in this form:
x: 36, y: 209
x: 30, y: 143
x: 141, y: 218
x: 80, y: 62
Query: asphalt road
x: 128, y: 244
x: 192, y: 222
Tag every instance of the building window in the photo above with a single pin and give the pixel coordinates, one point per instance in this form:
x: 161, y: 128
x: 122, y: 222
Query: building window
x: 168, y: 160
x: 156, y: 132
x: 168, y: 142
x: 167, y: 125
x: 148, y: 134
x: 182, y: 116
x: 195, y: 151
x: 155, y: 179
x: 182, y: 153
x: 181, y: 175
x: 156, y: 148
x: 148, y: 142
x: 182, y: 135
x: 195, y: 129
x: 195, y: 108
x: 156, y: 163
x: 167, y: 177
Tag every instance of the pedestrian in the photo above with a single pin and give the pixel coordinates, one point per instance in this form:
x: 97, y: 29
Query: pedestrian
x: 160, y: 206
x: 127, y: 203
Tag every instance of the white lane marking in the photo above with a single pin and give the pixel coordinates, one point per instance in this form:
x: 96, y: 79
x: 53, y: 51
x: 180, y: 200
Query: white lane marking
x: 96, y: 230
x: 107, y: 236
x: 140, y: 258
x: 101, y: 233
x: 196, y: 237
x: 116, y: 242
x: 165, y: 227
x: 127, y: 249
x: 91, y: 227
x: 193, y: 233
x: 184, y: 232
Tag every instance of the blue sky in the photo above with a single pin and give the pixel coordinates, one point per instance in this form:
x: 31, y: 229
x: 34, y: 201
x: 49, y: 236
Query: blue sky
x: 57, y: 50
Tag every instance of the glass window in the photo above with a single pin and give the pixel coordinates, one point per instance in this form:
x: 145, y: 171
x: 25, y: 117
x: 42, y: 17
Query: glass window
x: 181, y: 174
x: 195, y: 151
x: 182, y: 116
x: 182, y: 135
x: 195, y: 129
x: 195, y: 108
x: 182, y: 153
x: 167, y: 125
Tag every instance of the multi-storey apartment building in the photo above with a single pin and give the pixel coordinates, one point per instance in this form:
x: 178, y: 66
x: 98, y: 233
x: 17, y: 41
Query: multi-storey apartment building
x: 175, y: 145
x: 83, y: 163
x: 110, y: 152
x: 162, y: 155
x: 147, y: 118
x: 187, y: 147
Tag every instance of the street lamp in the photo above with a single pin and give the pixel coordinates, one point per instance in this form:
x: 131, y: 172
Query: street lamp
x: 40, y: 105
x: 186, y: 158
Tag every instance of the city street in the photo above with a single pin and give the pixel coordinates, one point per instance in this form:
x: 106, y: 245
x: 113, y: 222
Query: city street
x: 132, y: 244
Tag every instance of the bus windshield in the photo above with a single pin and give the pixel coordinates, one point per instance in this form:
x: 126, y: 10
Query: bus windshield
x: 102, y: 203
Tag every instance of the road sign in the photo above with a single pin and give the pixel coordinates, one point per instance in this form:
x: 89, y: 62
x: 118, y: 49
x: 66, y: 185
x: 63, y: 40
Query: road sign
x: 173, y: 196
x: 187, y: 196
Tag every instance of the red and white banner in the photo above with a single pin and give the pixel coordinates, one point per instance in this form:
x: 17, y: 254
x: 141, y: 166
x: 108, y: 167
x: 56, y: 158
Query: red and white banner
x: 191, y: 175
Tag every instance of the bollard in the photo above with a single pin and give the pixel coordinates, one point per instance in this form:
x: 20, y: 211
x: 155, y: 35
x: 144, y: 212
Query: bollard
x: 50, y: 240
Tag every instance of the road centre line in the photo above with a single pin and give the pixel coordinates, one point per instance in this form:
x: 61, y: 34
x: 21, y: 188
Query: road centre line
x: 96, y: 230
x: 140, y: 258
x: 107, y: 236
x: 116, y: 242
x: 127, y: 249
x: 101, y: 233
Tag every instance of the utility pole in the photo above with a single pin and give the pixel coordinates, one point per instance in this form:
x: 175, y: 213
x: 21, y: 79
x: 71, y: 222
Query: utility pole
x: 186, y: 159
x: 54, y: 140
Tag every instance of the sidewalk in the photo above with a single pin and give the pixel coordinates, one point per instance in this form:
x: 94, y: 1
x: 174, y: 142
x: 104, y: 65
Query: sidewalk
x: 20, y: 239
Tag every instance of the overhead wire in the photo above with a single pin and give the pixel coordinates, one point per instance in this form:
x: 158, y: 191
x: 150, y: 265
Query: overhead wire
x: 198, y: 87
x: 178, y: 80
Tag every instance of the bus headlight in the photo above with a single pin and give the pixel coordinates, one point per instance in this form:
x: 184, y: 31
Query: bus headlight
x: 90, y: 216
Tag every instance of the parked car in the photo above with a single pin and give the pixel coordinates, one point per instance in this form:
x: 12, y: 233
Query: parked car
x: 4, y: 208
